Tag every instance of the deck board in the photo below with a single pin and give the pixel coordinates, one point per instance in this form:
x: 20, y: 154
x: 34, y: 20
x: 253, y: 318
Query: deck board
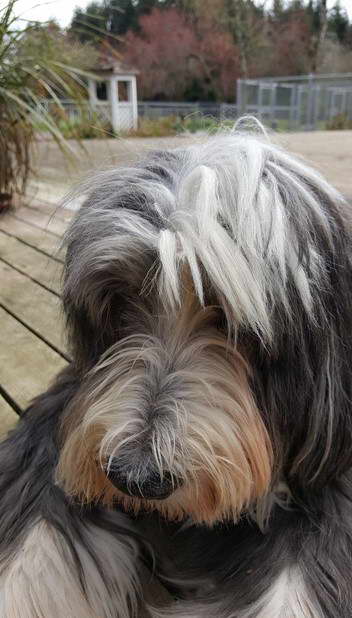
x: 32, y: 235
x: 33, y: 305
x: 32, y: 348
x: 57, y: 212
x: 31, y: 262
x: 49, y: 223
x: 8, y: 418
x: 27, y: 364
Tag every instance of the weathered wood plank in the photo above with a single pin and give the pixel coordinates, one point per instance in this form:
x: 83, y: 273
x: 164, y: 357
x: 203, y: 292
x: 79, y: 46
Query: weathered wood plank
x: 32, y: 262
x: 8, y: 417
x: 49, y: 223
x: 27, y: 364
x: 62, y: 214
x: 39, y: 309
x: 31, y: 235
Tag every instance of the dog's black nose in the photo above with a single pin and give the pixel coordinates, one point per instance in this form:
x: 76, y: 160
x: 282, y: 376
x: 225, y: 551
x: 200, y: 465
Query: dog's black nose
x: 150, y: 485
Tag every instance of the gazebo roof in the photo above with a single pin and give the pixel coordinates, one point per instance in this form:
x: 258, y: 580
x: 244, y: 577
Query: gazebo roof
x: 111, y: 66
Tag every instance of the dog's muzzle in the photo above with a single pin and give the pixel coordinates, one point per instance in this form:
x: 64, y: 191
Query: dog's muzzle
x: 152, y: 486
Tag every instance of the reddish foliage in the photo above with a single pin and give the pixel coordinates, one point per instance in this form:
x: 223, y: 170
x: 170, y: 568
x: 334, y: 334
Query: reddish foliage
x: 287, y: 47
x: 163, y: 53
x: 220, y: 57
x: 291, y: 44
x: 177, y: 60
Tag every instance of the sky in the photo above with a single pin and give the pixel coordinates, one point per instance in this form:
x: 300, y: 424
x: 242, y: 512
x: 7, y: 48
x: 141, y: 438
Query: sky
x: 62, y: 10
x: 43, y: 10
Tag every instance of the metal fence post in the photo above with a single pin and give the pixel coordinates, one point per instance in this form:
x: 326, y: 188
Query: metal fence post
x: 273, y: 99
x: 310, y: 93
x: 239, y: 96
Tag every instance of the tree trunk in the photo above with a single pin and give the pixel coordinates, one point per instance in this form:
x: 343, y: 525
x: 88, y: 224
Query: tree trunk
x: 237, y: 18
x: 320, y: 36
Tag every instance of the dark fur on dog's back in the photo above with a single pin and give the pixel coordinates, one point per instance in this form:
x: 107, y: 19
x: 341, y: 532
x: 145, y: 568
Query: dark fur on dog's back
x: 208, y: 295
x: 236, y: 566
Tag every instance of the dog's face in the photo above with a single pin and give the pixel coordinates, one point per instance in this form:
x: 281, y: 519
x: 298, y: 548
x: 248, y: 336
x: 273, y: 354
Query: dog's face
x: 166, y: 418
x: 191, y: 292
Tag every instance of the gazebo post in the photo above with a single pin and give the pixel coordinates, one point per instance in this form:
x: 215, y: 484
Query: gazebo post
x: 114, y: 103
x: 134, y: 100
x: 92, y: 91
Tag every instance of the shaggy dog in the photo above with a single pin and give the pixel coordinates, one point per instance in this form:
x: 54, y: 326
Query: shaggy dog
x: 203, y: 430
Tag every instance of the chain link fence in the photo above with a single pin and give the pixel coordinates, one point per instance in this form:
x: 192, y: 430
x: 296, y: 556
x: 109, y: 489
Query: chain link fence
x: 158, y: 109
x: 305, y: 102
x: 293, y: 103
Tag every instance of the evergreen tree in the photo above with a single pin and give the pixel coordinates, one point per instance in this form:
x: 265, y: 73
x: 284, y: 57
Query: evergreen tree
x: 278, y: 10
x: 88, y: 25
x: 338, y: 22
x: 111, y: 17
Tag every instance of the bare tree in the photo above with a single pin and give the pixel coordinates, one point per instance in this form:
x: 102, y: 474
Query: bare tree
x: 319, y: 37
x: 244, y: 20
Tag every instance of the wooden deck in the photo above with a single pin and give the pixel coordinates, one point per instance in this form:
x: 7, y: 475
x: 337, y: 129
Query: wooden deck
x: 32, y: 348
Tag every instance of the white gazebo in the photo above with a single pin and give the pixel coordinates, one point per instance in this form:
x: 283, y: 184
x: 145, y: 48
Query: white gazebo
x: 113, y: 93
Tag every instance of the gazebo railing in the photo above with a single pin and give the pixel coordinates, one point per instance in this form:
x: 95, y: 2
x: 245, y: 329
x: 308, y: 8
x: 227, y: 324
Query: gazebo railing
x: 74, y: 112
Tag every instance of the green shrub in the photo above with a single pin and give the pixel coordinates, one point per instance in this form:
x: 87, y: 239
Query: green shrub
x: 155, y: 127
x: 197, y: 122
x: 339, y: 123
x: 164, y: 126
x: 85, y: 127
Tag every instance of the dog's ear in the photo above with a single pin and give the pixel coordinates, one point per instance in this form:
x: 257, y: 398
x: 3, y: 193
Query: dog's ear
x: 90, y: 293
x: 103, y: 277
x: 304, y: 383
x: 110, y: 251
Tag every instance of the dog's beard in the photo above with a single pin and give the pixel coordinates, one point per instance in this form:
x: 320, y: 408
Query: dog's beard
x: 176, y: 397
